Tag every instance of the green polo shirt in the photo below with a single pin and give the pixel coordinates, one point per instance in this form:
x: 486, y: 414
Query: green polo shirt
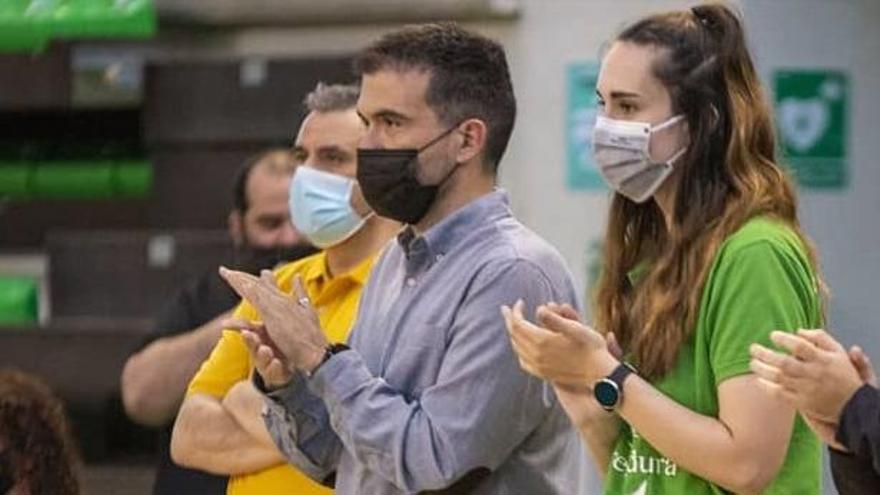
x: 760, y: 281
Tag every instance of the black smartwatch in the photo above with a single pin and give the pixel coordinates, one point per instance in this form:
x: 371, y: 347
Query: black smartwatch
x: 329, y: 352
x: 609, y: 390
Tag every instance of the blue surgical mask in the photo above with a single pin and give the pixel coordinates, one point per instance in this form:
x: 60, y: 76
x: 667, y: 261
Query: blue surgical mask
x: 320, y: 207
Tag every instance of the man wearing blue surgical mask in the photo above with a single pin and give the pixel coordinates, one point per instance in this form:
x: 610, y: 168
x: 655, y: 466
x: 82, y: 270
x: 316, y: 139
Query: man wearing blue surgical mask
x: 219, y: 428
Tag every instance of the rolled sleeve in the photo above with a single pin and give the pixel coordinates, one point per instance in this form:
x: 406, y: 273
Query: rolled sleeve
x: 298, y: 423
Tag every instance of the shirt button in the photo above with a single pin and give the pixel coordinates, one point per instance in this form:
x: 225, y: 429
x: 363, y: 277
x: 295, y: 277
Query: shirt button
x: 411, y: 282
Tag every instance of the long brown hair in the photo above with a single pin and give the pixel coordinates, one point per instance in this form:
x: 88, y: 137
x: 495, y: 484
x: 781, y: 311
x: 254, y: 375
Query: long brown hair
x: 729, y: 175
x: 35, y: 436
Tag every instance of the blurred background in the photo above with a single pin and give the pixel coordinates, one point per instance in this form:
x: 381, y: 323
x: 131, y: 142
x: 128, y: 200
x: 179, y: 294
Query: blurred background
x: 122, y: 123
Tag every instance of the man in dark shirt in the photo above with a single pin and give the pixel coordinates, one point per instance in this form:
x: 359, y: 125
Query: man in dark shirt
x: 835, y: 391
x: 155, y: 377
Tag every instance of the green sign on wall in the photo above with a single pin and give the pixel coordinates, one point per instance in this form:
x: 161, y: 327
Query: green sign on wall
x: 812, y: 112
x: 581, y: 172
x: 29, y: 25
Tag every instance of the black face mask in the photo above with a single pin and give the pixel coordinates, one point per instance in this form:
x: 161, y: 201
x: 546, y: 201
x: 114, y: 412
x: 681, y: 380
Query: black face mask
x: 253, y: 259
x: 388, y: 180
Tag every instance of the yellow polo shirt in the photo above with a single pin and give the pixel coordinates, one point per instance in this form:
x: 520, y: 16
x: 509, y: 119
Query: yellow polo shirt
x: 336, y: 300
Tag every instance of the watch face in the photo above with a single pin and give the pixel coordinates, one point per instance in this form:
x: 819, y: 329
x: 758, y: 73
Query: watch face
x: 606, y: 393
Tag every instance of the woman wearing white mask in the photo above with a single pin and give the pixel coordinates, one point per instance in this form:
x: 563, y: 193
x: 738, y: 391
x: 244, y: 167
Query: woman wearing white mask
x: 703, y: 256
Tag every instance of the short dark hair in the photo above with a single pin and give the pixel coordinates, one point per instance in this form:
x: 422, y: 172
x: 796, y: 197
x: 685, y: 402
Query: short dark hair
x: 332, y: 97
x: 469, y: 77
x: 281, y: 160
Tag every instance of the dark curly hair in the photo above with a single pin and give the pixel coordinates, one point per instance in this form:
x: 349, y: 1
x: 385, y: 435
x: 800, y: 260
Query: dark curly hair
x: 34, y: 435
x: 469, y: 76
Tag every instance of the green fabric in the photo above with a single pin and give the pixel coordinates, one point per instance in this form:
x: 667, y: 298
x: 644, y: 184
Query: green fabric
x: 760, y: 281
x: 18, y: 300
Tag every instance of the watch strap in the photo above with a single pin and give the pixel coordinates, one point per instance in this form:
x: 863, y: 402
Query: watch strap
x: 329, y: 351
x: 620, y: 373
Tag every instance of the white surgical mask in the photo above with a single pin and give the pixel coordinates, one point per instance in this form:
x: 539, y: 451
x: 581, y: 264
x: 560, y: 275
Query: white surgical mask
x: 621, y: 151
x: 320, y: 207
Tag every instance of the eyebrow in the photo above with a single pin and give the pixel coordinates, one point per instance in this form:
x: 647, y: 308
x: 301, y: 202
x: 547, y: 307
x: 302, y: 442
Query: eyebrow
x: 619, y: 94
x: 385, y: 112
x: 323, y: 150
x: 269, y: 217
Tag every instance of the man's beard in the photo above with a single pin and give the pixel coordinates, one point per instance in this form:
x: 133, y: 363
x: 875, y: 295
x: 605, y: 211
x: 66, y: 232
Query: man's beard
x: 254, y: 259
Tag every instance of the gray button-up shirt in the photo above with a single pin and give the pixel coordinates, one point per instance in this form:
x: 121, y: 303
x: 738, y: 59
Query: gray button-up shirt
x: 431, y: 395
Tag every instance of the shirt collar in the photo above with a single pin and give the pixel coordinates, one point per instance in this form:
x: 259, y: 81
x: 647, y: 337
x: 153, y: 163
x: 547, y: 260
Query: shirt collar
x: 446, y: 234
x: 318, y: 271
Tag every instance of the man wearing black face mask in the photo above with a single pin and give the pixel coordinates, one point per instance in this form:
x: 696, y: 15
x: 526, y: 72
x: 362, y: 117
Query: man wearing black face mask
x: 154, y: 379
x: 427, y: 395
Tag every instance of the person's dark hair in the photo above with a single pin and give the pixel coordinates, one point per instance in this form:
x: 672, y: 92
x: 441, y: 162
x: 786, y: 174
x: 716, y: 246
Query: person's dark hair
x: 729, y: 175
x: 35, y: 436
x: 469, y: 77
x: 279, y: 160
x: 332, y: 98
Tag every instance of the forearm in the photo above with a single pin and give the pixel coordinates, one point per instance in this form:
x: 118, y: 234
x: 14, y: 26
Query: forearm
x: 154, y: 380
x: 245, y: 404
x: 704, y: 445
x: 395, y: 436
x: 600, y: 438
x: 598, y: 428
x: 299, y: 424
x: 207, y: 437
x: 431, y: 442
